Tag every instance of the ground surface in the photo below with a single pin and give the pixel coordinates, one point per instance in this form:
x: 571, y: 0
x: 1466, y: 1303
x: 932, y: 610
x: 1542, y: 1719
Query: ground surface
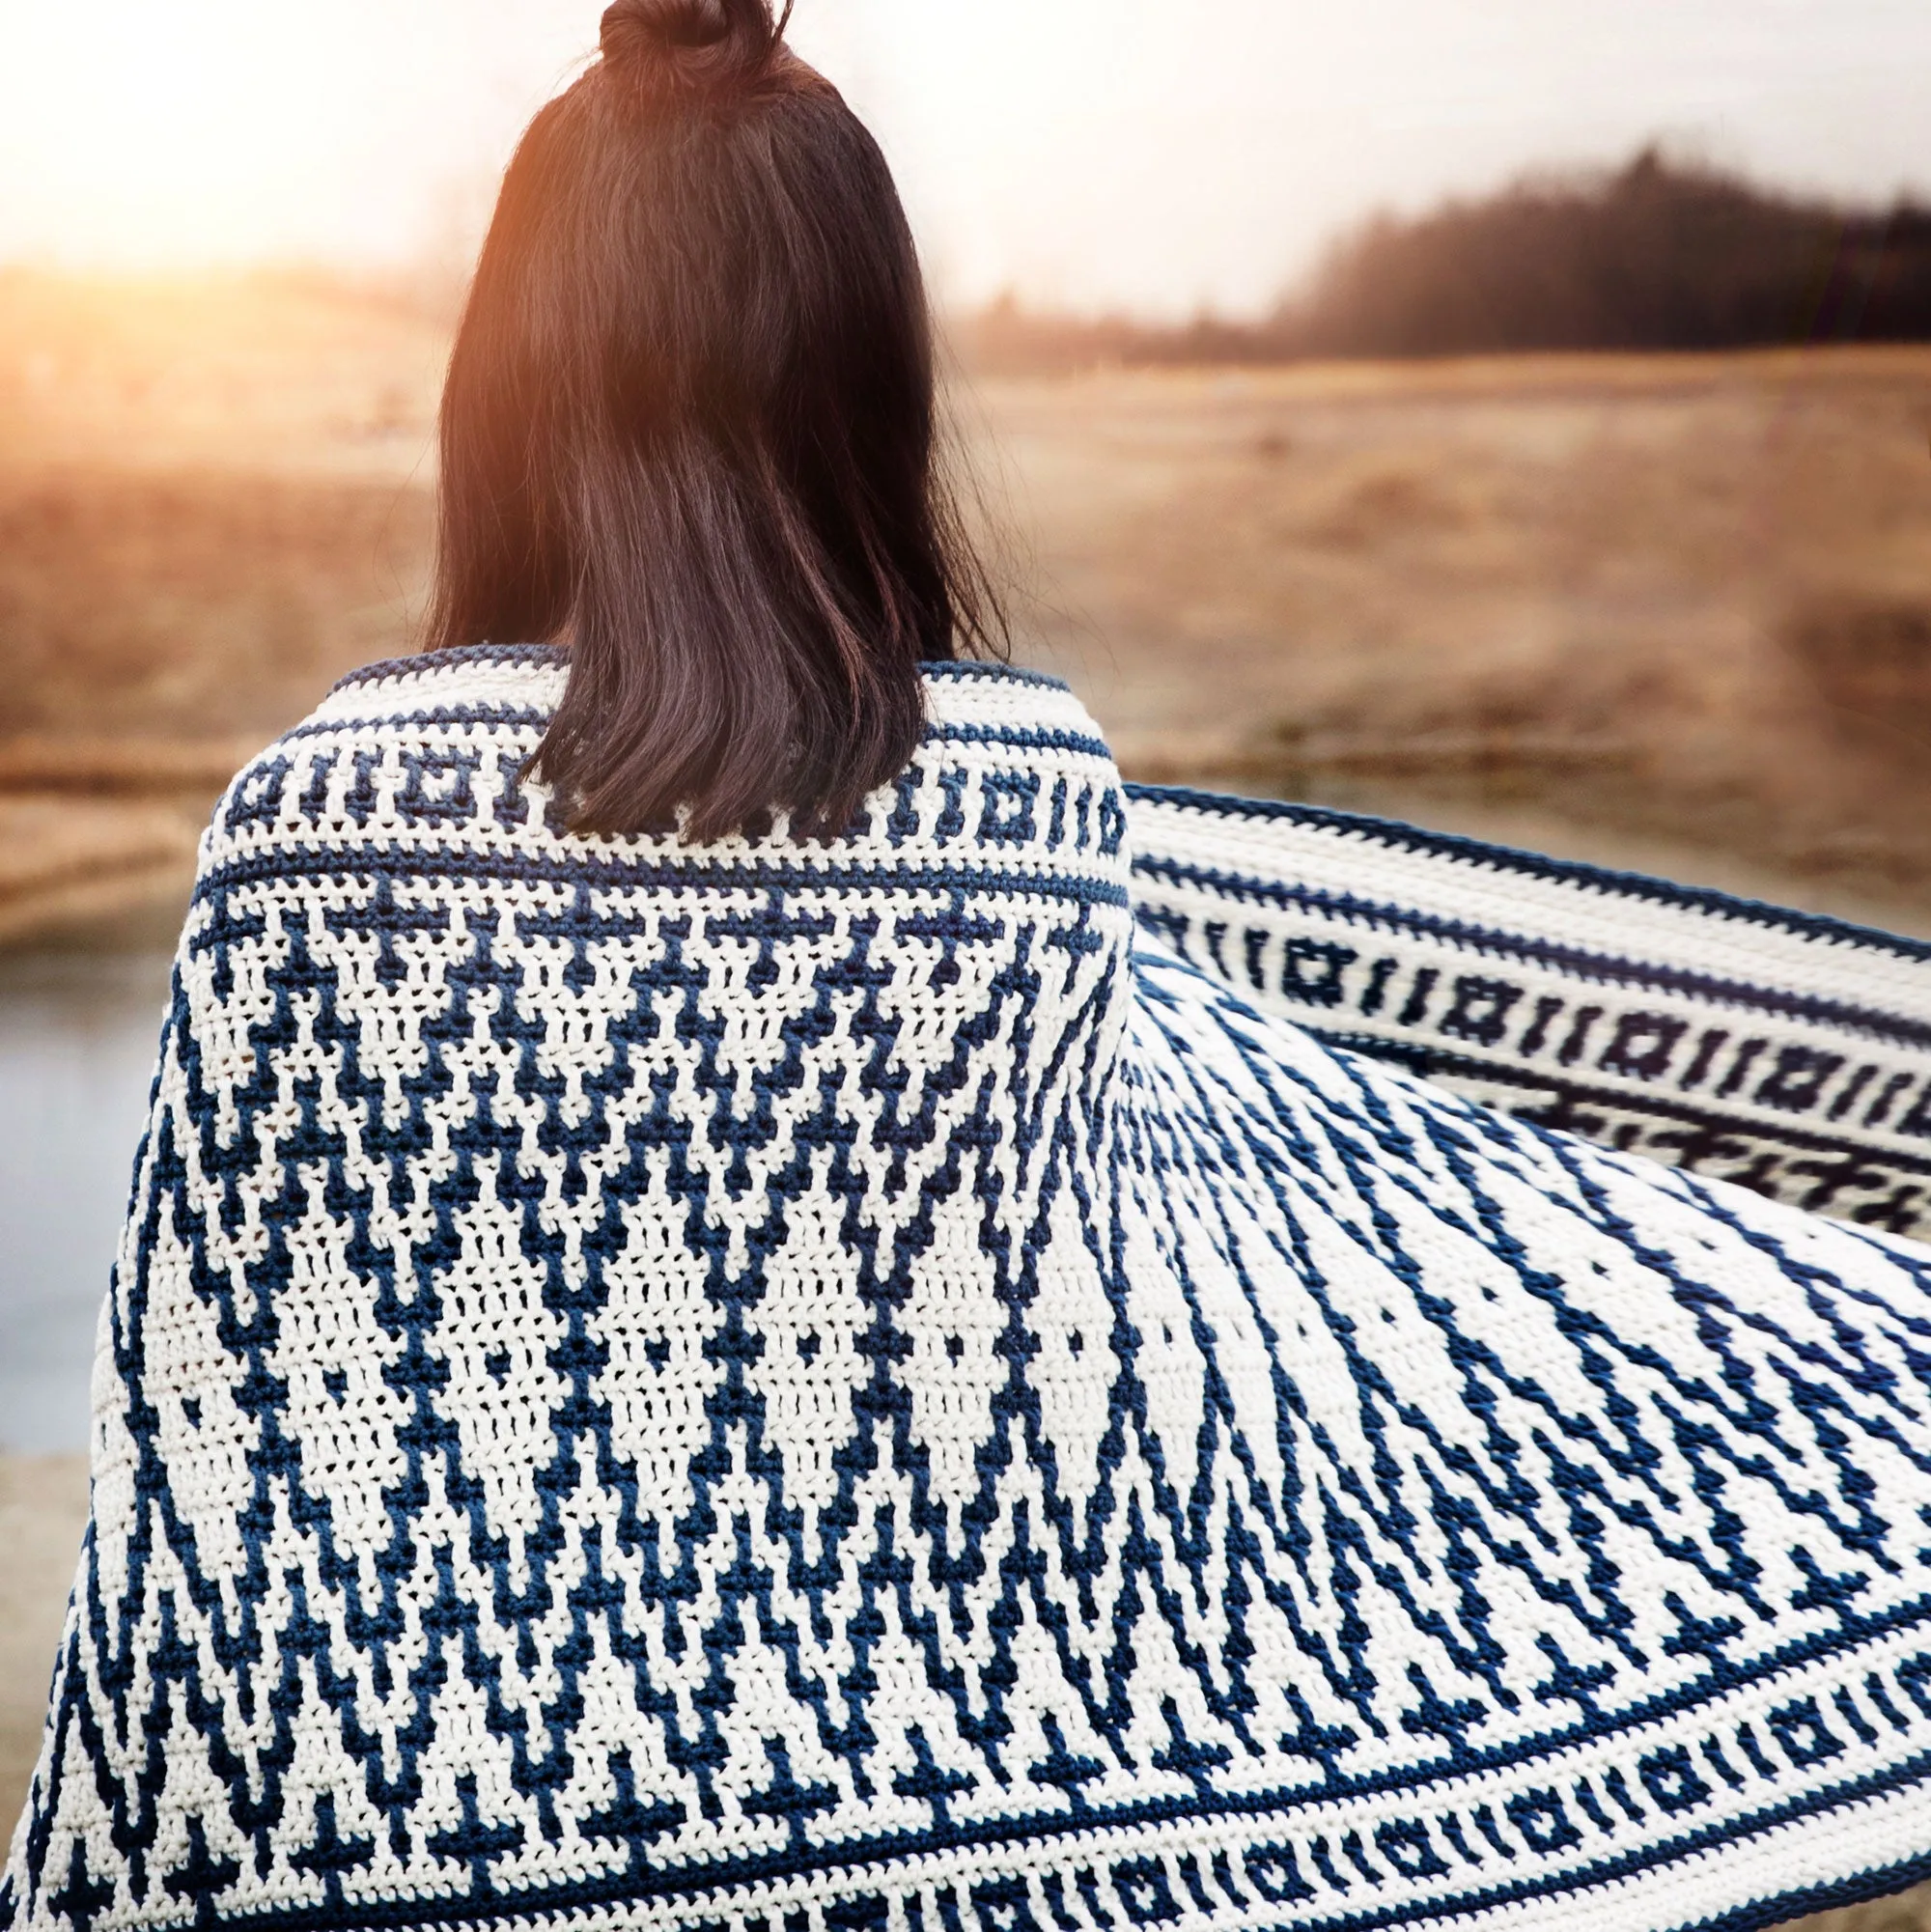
x: 43, y: 1512
x: 1672, y: 612
x: 1666, y: 612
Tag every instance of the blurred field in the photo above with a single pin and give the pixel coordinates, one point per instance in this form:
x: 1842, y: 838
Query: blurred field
x: 1672, y: 612
x: 212, y: 501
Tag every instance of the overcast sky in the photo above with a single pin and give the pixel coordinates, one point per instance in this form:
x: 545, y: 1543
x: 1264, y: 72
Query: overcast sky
x: 1158, y: 155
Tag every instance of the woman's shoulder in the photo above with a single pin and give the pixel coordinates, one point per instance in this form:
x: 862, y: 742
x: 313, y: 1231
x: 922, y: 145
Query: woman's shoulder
x: 459, y: 699
x: 485, y: 685
x: 432, y: 753
x: 432, y: 746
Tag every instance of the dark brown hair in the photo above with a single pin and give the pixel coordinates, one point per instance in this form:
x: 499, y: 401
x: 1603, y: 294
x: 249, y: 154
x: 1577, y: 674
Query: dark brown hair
x: 689, y: 431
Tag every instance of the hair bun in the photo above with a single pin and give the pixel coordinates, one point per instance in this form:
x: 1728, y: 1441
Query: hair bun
x: 700, y: 41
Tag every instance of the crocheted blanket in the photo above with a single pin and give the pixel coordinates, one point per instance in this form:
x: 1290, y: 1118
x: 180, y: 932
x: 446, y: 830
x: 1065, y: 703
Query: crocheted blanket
x: 842, y: 1387
x: 1785, y: 1052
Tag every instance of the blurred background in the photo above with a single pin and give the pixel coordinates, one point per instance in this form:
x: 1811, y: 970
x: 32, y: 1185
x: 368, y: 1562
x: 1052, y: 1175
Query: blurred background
x: 1511, y: 416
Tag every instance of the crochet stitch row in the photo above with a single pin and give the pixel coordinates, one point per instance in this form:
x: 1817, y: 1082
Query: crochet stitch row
x: 811, y: 1388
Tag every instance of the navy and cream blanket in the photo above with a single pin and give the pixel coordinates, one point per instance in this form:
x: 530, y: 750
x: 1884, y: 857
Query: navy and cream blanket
x: 978, y: 1378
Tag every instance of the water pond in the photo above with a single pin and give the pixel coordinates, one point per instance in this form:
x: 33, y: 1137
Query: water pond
x: 78, y: 1038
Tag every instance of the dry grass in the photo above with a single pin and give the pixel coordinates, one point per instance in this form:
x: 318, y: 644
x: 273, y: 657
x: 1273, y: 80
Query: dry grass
x: 1620, y: 593
x: 252, y: 373
x: 214, y: 500
x: 156, y: 628
x: 181, y: 604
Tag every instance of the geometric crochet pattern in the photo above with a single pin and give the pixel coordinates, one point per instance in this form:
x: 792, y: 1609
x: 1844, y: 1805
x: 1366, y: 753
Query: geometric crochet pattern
x: 855, y: 1386
x: 1783, y: 1050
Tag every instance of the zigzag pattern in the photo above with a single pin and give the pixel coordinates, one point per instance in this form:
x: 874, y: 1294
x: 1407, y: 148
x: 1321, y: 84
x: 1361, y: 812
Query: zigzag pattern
x: 816, y: 1387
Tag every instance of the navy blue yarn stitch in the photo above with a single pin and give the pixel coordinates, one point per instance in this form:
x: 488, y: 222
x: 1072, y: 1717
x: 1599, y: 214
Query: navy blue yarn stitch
x: 1479, y: 854
x: 1582, y: 963
x: 1196, y: 1123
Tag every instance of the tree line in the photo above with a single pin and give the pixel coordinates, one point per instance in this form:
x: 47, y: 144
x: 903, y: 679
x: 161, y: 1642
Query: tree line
x: 1662, y: 253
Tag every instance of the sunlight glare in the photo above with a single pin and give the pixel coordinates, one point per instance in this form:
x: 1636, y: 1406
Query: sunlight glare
x: 211, y: 130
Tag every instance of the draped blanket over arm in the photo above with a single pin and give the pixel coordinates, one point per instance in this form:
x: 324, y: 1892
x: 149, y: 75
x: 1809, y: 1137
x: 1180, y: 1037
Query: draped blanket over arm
x: 1069, y: 1360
